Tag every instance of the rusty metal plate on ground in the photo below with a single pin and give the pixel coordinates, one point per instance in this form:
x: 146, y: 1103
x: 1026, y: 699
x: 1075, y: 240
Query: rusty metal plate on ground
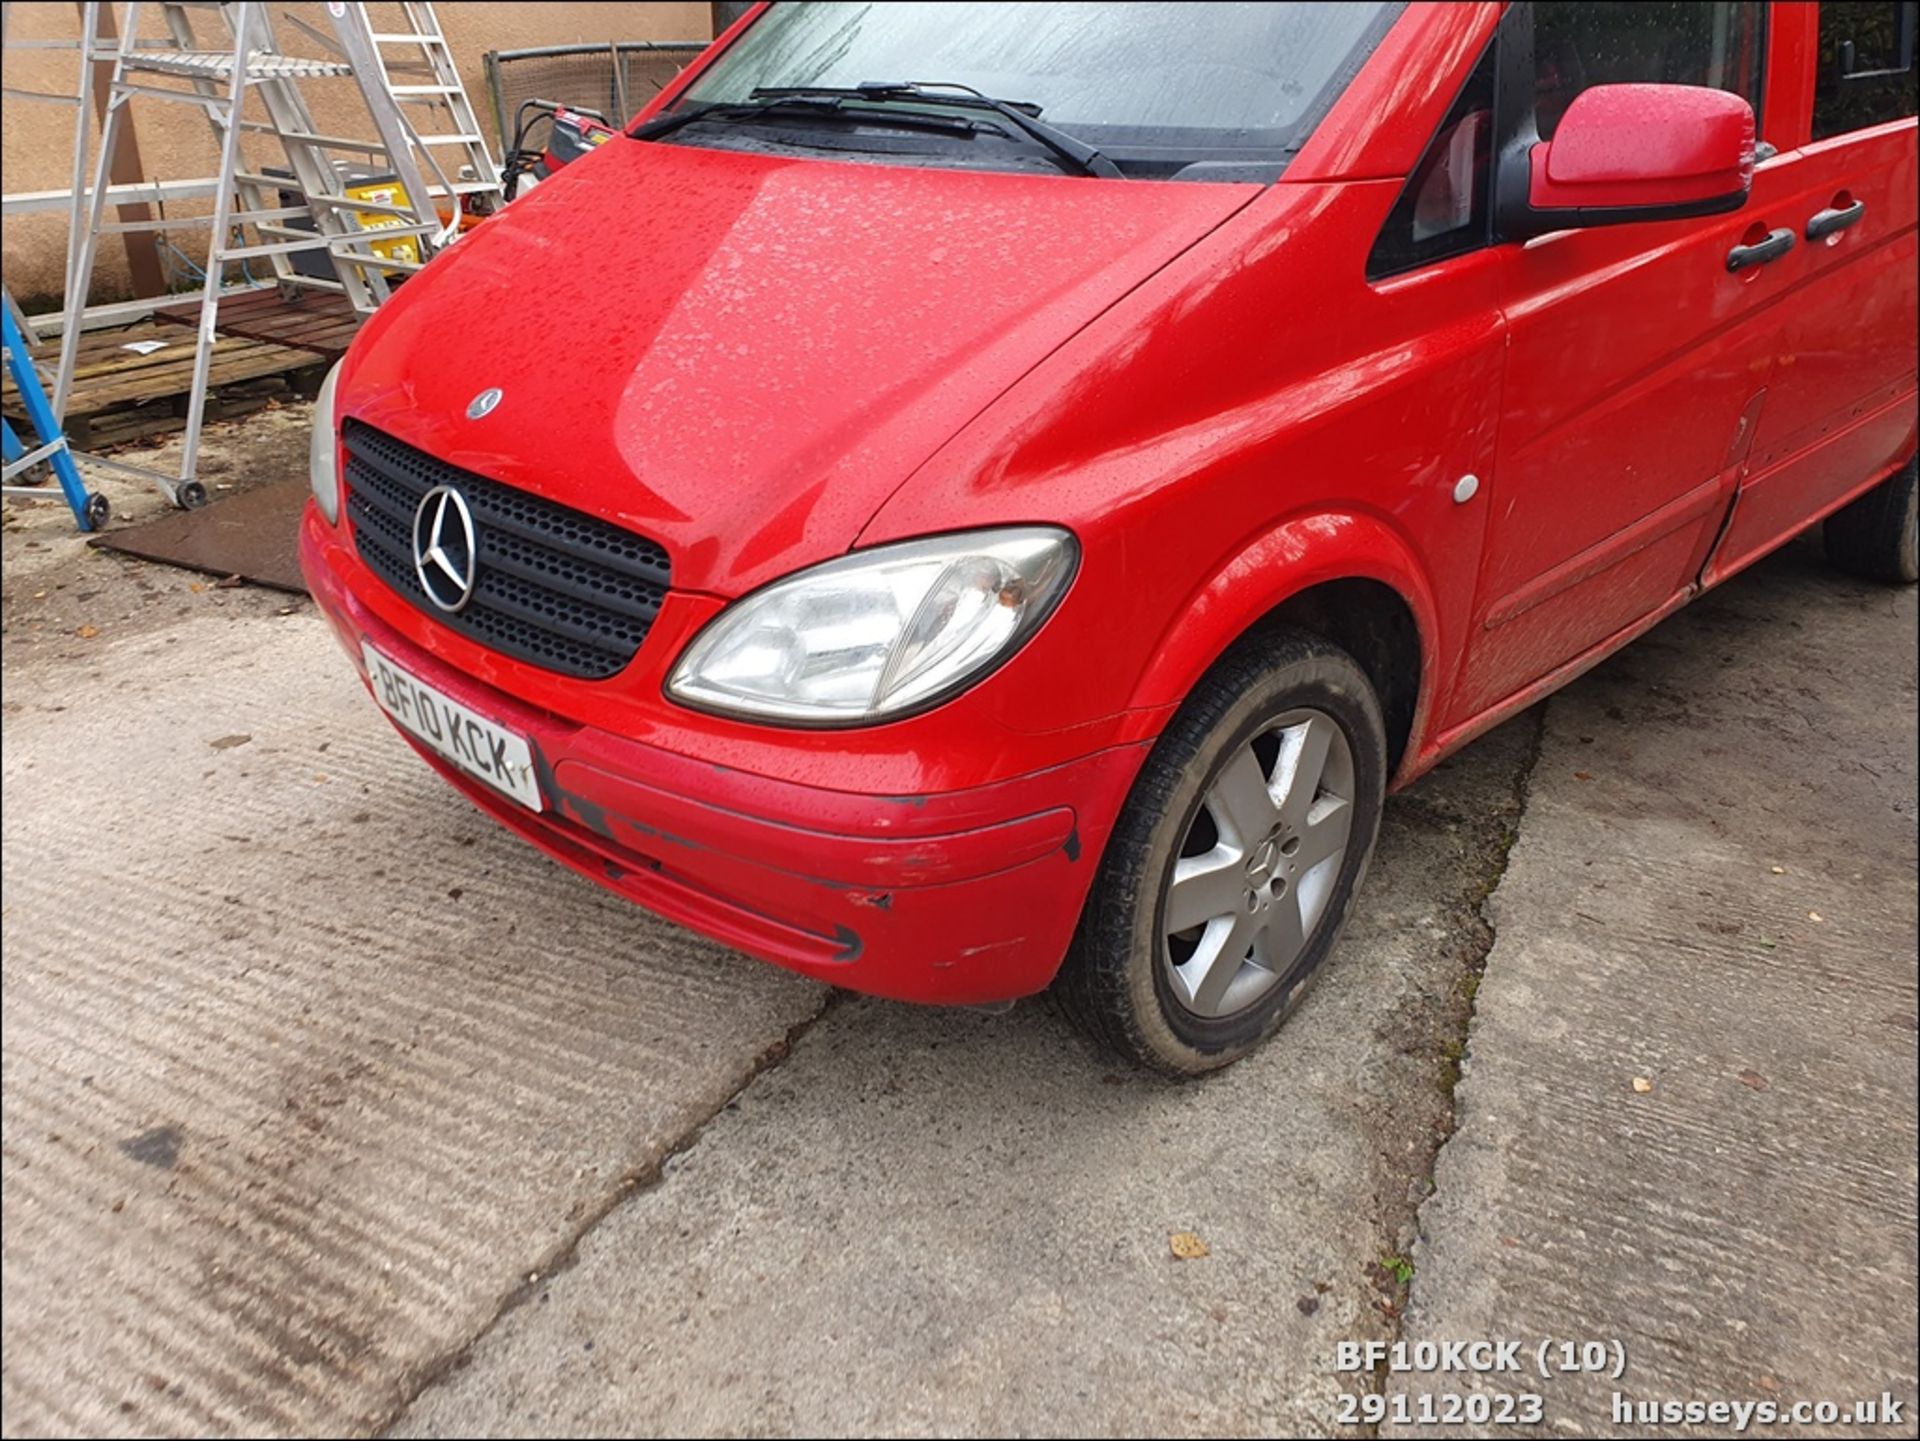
x: 253, y: 535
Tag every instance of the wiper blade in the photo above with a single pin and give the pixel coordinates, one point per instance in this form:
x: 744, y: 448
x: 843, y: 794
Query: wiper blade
x: 1021, y: 115
x: 811, y: 107
x: 734, y: 110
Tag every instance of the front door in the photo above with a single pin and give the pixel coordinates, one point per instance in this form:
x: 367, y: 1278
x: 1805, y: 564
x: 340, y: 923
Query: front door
x: 1637, y: 362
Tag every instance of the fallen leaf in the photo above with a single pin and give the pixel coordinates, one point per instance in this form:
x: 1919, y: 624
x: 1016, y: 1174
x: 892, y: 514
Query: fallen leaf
x: 196, y: 587
x: 87, y: 632
x: 1814, y: 916
x: 1779, y: 870
x: 1642, y: 1084
x: 1767, y: 1383
x: 227, y: 743
x: 229, y: 582
x: 1753, y: 1080
x: 1186, y: 1246
x: 1582, y: 776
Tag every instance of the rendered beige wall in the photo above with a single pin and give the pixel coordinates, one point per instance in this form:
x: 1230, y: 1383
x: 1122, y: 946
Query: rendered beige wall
x: 176, y: 143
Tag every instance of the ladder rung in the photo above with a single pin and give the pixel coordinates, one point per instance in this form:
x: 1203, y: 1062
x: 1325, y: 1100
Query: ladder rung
x: 285, y: 247
x: 34, y: 457
x: 448, y: 139
x: 423, y: 89
x: 343, y: 249
x: 374, y: 262
x: 408, y: 37
x: 307, y: 137
x: 312, y: 282
x: 215, y: 105
x: 261, y: 219
x: 358, y: 237
x: 13, y: 94
x: 196, y: 222
x: 373, y: 207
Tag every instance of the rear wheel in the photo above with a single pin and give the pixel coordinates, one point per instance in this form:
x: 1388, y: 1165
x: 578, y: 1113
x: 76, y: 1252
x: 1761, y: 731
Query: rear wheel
x: 1877, y: 537
x: 1235, y: 859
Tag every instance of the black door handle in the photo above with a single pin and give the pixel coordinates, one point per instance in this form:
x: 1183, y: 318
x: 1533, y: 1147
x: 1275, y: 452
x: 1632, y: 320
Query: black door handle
x: 1829, y: 221
x: 1777, y: 244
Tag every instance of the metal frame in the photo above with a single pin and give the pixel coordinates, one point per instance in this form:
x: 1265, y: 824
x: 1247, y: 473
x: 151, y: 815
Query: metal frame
x: 15, y: 458
x: 613, y: 49
x: 220, y: 79
x: 406, y: 145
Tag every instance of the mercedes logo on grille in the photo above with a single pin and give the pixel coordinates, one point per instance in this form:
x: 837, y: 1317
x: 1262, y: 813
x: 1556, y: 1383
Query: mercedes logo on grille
x: 446, y: 552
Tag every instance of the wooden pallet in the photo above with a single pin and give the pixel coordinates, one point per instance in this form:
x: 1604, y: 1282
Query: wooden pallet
x: 307, y: 320
x: 120, y: 395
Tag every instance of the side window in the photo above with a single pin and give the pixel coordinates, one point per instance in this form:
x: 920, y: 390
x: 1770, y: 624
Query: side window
x: 1577, y: 43
x: 1443, y: 210
x: 1867, y: 70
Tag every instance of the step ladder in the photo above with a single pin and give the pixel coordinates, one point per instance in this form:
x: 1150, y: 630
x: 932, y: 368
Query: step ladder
x: 50, y: 448
x: 79, y: 100
x: 414, y: 67
x: 356, y: 234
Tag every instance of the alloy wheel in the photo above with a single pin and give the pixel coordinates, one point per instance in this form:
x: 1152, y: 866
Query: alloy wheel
x: 1258, y: 864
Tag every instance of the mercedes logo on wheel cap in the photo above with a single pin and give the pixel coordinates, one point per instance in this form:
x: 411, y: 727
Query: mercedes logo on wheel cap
x: 1264, y: 861
x: 446, y: 552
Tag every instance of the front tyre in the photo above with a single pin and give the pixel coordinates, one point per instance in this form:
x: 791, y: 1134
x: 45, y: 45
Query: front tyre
x: 1235, y: 860
x: 1877, y: 537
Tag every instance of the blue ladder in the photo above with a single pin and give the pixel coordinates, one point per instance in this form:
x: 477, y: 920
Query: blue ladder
x: 89, y: 510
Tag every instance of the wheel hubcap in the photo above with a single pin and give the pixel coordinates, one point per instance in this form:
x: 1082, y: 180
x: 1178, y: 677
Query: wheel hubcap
x: 1257, y: 866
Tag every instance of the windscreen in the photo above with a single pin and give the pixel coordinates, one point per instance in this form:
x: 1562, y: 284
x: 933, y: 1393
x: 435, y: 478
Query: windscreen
x: 1194, y: 78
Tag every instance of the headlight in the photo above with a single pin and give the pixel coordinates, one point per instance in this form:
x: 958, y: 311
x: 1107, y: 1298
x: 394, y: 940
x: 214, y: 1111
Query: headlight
x: 323, y: 450
x: 876, y: 634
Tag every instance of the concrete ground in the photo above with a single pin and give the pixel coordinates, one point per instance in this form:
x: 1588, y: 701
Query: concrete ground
x: 1687, y: 1121
x: 327, y: 1106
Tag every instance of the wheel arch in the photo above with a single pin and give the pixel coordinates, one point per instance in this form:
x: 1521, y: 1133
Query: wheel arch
x: 1350, y: 579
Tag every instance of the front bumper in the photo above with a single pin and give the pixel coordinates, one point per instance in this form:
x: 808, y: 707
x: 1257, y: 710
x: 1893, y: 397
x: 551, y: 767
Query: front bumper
x: 961, y: 897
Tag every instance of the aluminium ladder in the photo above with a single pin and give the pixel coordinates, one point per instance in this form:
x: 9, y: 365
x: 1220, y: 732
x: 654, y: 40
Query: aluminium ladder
x: 81, y: 101
x: 457, y: 155
x: 220, y: 82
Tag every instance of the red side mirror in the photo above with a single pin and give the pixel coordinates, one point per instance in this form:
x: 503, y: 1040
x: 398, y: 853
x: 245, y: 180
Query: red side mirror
x: 1643, y: 152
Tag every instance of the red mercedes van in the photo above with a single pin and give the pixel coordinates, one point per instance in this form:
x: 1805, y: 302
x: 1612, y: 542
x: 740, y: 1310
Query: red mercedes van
x: 964, y: 498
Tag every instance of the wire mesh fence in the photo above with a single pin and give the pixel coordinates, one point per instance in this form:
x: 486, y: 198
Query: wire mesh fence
x: 615, y: 79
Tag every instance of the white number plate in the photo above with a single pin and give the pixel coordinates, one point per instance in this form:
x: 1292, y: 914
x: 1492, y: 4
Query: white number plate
x: 478, y: 746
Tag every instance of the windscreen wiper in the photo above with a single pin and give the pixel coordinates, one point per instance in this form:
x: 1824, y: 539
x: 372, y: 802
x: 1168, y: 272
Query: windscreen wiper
x: 775, y: 107
x: 1022, y: 115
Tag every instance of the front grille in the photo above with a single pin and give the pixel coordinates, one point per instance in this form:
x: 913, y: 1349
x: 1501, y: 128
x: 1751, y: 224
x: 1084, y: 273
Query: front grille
x: 552, y: 586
